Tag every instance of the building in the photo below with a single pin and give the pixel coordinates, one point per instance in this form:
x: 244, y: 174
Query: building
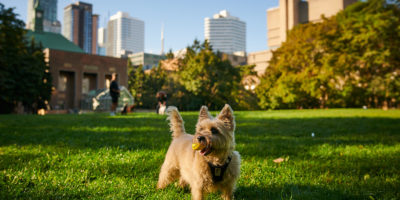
x: 80, y: 26
x: 225, y: 33
x: 75, y: 74
x: 289, y: 14
x: 260, y: 59
x: 101, y: 41
x: 292, y: 12
x: 316, y: 8
x: 124, y: 34
x: 147, y: 60
x: 73, y: 71
x: 235, y: 59
x: 50, y: 22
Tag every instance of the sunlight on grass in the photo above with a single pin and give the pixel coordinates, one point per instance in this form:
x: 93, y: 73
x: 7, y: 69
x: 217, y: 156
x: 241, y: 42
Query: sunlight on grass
x: 102, y: 129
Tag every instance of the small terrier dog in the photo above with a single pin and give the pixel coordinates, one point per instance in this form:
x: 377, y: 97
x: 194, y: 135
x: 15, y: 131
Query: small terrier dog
x: 205, y: 161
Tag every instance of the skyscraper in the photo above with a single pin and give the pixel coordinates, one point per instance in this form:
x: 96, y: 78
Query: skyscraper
x: 124, y: 34
x: 50, y: 22
x: 80, y: 26
x: 102, y: 41
x: 225, y: 33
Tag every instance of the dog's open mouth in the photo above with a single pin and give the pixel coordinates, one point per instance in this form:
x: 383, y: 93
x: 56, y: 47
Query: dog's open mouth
x: 203, y: 147
x: 206, y: 150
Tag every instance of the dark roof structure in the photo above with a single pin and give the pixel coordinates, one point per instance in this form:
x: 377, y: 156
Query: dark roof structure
x: 53, y: 41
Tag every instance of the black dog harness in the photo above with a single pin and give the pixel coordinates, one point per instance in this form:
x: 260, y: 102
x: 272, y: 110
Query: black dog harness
x: 217, y: 172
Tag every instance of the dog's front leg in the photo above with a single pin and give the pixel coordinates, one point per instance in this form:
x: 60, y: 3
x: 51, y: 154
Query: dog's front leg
x: 197, y: 192
x: 227, y: 193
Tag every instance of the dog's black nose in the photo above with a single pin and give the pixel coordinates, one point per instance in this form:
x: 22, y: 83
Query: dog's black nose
x: 201, y: 138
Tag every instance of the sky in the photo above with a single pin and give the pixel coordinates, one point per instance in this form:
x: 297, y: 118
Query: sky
x: 183, y: 19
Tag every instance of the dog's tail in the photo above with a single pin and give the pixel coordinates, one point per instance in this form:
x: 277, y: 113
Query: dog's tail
x: 176, y: 122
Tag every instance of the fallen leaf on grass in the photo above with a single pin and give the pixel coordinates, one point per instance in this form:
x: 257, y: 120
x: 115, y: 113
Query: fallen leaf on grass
x: 279, y: 160
x: 366, y: 177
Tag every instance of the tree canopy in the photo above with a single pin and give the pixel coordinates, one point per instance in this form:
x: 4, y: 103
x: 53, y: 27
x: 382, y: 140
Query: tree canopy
x: 202, y: 78
x: 348, y: 60
x: 24, y: 75
x: 207, y: 77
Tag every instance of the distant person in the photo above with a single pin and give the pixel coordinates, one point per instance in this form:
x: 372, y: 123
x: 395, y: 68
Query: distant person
x: 161, y: 102
x: 114, y: 93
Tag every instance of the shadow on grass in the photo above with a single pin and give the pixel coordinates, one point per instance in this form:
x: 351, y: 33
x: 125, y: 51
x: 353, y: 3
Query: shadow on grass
x: 295, y: 191
x: 14, y: 161
x: 254, y: 136
x: 91, y: 132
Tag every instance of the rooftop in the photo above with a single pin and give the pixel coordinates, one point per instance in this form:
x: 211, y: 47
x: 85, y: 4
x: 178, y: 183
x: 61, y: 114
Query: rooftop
x: 224, y: 14
x: 120, y: 14
x: 53, y: 41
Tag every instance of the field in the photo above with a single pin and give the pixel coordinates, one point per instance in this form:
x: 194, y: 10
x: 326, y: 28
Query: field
x: 355, y: 154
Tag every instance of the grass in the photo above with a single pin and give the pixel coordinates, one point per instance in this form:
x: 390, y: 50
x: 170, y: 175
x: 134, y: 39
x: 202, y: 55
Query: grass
x: 355, y: 154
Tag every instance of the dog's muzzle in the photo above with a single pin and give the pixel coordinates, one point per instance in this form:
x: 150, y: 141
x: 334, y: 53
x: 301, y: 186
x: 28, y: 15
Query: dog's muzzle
x: 203, y: 146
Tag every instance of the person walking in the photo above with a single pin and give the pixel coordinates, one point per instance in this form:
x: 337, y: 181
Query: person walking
x: 114, y: 93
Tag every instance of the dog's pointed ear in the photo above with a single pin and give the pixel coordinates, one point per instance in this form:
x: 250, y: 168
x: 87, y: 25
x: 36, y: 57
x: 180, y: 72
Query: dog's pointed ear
x: 204, y: 114
x: 226, y: 115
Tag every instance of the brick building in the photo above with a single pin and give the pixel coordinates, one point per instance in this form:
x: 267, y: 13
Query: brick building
x: 74, y: 72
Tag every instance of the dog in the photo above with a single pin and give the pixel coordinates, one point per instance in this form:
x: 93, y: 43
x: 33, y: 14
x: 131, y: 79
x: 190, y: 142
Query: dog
x: 214, y: 166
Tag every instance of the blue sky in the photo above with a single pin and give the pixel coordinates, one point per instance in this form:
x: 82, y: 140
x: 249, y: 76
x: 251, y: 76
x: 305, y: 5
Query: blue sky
x: 183, y: 19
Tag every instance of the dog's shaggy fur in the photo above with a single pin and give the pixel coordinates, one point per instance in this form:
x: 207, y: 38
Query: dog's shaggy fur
x: 192, y: 167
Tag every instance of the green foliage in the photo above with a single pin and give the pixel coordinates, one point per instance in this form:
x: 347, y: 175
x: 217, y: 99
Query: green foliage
x: 135, y: 81
x: 348, y: 60
x: 354, y: 155
x: 170, y: 54
x: 24, y: 75
x: 207, y: 77
x: 144, y: 86
x: 203, y: 78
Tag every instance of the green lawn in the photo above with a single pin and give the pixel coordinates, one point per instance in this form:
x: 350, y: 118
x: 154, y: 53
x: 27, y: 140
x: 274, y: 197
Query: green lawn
x: 355, y: 154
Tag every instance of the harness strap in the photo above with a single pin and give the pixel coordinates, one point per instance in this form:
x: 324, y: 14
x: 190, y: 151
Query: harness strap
x: 217, y: 172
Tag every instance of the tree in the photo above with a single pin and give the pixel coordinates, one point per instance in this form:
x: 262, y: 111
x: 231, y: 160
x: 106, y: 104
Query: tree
x: 245, y: 98
x: 144, y: 86
x: 170, y: 54
x: 136, y: 79
x: 348, y: 60
x: 209, y: 79
x: 369, y: 53
x: 297, y: 76
x: 203, y: 78
x: 154, y: 81
x: 24, y: 75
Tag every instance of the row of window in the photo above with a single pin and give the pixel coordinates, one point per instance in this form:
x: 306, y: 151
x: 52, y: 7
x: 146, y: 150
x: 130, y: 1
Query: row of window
x: 66, y: 82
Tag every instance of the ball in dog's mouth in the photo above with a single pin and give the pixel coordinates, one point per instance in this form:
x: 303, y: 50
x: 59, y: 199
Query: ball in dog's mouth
x: 204, y: 149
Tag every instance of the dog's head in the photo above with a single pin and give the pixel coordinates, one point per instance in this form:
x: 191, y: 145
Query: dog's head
x: 216, y: 135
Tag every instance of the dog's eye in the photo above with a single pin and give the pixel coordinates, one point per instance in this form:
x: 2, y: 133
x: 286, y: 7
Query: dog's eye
x: 214, y: 131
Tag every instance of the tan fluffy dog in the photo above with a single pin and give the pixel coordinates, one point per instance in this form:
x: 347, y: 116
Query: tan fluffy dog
x: 215, y: 166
